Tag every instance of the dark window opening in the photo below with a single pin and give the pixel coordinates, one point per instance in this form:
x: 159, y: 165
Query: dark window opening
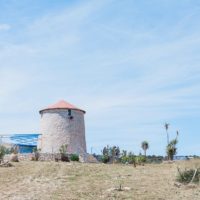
x: 70, y: 114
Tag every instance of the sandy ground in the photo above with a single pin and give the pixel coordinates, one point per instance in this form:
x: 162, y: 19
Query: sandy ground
x: 51, y: 180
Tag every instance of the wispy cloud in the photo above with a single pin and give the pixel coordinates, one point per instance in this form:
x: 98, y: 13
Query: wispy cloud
x: 131, y: 69
x: 5, y: 27
x: 11, y: 82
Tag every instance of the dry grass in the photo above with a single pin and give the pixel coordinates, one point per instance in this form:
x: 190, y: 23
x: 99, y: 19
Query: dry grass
x: 51, y: 180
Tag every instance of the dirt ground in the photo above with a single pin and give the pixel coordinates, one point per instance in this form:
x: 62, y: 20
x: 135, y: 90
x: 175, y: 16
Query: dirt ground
x: 78, y: 181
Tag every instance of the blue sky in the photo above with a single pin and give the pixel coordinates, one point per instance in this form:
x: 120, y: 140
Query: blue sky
x: 132, y: 65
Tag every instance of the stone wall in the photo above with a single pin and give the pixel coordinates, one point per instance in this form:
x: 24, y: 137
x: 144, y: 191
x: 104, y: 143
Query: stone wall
x: 51, y: 157
x: 29, y: 156
x: 21, y: 157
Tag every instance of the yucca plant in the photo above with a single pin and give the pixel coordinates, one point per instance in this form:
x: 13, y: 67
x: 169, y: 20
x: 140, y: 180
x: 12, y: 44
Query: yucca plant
x: 171, y: 149
x: 63, y: 152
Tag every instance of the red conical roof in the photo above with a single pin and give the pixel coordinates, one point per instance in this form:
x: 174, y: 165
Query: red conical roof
x: 62, y: 105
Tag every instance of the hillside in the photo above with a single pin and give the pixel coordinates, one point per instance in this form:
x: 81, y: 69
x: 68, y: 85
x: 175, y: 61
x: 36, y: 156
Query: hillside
x: 51, y: 180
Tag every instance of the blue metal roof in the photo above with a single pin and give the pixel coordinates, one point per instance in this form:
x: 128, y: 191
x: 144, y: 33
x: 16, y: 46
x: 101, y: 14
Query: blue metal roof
x: 20, y: 139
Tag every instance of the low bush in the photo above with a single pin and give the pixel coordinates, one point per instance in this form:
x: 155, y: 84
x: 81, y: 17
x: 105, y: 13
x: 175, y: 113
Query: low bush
x: 140, y: 159
x: 188, y: 175
x: 3, y: 150
x: 65, y: 158
x: 105, y: 158
x: 128, y: 158
x: 154, y: 159
x: 74, y: 157
x: 131, y: 159
x: 124, y: 159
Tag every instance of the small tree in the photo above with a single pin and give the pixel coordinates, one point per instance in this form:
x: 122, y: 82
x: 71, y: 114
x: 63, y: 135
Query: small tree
x: 105, y: 157
x: 105, y: 150
x: 145, y: 146
x: 124, y: 157
x: 115, y: 153
x: 110, y: 154
x: 131, y: 159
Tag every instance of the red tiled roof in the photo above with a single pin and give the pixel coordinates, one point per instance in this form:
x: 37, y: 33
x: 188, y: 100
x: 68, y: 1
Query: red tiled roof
x: 62, y: 105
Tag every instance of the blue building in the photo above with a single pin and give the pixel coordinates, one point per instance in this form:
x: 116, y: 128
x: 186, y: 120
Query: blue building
x: 24, y: 142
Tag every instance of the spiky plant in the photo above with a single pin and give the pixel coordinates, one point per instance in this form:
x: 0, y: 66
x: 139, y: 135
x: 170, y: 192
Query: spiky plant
x: 63, y: 149
x: 115, y: 153
x: 172, y: 149
x: 63, y: 152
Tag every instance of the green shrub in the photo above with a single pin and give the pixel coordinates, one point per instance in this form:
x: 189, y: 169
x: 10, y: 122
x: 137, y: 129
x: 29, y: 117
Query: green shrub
x: 124, y: 159
x: 128, y: 158
x: 105, y: 158
x: 74, y: 157
x: 154, y: 159
x: 131, y: 158
x: 188, y: 175
x: 110, y: 154
x: 140, y: 159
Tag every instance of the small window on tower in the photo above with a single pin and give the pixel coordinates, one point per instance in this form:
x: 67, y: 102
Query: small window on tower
x: 70, y: 114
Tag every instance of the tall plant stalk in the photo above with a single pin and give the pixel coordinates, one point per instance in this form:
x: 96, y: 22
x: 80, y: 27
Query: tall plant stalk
x: 166, y: 128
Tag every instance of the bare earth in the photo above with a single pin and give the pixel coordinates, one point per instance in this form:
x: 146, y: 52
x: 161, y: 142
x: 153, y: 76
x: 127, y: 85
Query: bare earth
x: 51, y: 180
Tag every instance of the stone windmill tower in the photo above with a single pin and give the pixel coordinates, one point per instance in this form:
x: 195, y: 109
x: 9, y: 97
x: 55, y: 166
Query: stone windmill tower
x: 62, y: 123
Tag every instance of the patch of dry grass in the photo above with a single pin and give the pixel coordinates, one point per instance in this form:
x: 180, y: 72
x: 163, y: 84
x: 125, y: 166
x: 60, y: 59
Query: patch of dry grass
x: 76, y: 181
